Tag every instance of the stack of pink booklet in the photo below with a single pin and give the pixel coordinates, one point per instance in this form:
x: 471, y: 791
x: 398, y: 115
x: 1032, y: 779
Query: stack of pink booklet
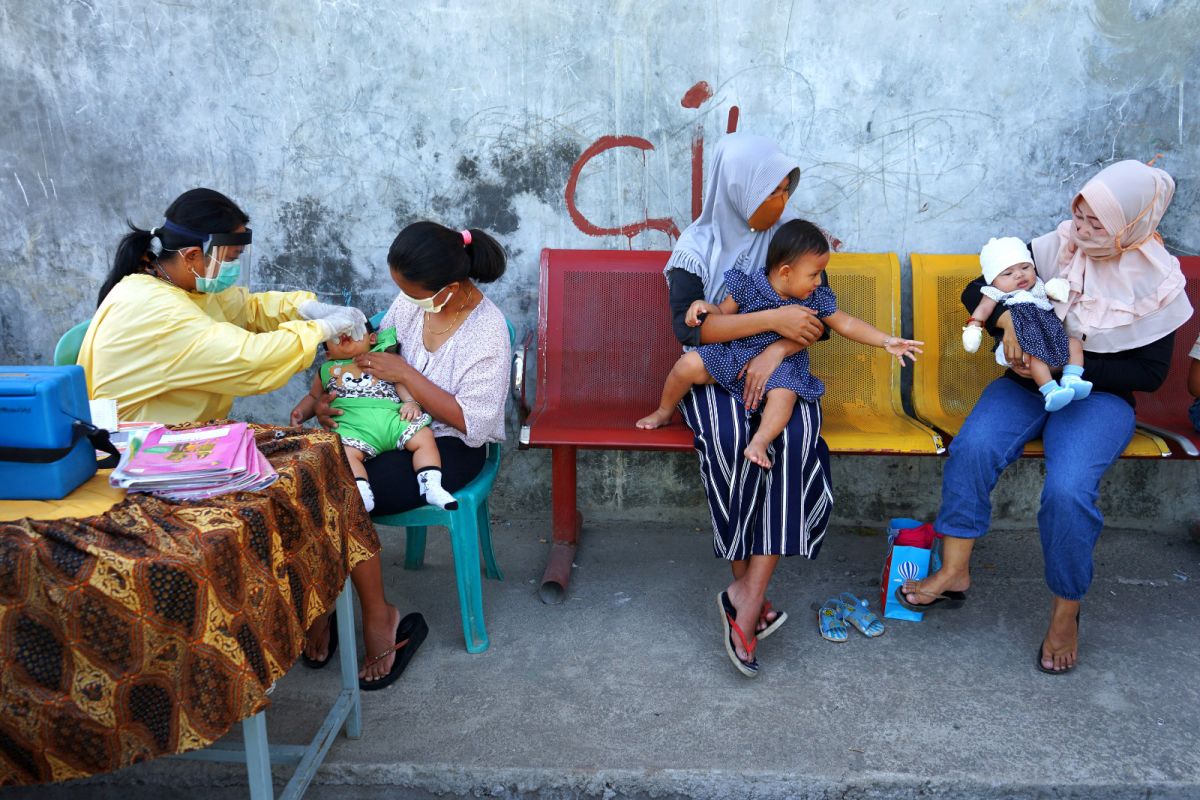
x: 194, y: 464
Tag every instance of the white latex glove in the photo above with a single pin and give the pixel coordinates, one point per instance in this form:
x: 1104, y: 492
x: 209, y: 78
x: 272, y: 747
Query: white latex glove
x: 315, y: 309
x: 331, y: 329
x: 352, y: 317
x: 349, y: 320
x: 1058, y: 289
x: 972, y: 335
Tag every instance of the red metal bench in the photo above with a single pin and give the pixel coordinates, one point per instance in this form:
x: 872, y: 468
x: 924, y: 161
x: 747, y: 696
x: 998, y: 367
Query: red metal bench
x: 1165, y: 412
x: 605, y: 345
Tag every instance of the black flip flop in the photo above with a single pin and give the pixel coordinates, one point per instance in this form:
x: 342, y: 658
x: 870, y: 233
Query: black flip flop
x: 949, y: 600
x: 1037, y: 662
x: 313, y: 663
x: 411, y: 631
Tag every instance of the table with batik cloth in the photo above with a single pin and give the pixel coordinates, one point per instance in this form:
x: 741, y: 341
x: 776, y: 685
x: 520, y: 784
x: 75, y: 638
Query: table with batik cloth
x: 153, y: 627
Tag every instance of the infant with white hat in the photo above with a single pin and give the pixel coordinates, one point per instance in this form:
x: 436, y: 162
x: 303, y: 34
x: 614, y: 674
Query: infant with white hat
x: 1013, y: 282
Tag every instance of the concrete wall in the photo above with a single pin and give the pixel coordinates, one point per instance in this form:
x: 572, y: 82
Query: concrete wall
x: 920, y: 126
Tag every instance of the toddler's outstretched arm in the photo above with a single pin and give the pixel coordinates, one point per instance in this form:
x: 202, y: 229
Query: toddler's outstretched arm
x: 863, y: 332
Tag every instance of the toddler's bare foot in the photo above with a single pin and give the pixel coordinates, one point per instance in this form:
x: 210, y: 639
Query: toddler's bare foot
x: 756, y: 453
x: 659, y: 418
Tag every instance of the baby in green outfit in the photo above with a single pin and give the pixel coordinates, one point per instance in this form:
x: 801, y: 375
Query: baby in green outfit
x: 377, y: 416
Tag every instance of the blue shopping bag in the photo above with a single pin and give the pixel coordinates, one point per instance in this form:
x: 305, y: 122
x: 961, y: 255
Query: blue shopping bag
x: 904, y: 563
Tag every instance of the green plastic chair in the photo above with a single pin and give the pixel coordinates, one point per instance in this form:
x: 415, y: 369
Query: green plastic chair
x: 66, y: 352
x: 470, y: 531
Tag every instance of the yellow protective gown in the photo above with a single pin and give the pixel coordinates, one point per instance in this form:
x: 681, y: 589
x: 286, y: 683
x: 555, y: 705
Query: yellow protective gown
x: 166, y: 355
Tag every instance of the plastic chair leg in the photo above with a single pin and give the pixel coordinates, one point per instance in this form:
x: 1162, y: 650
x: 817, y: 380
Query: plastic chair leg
x: 414, y: 548
x: 485, y: 541
x: 464, y: 539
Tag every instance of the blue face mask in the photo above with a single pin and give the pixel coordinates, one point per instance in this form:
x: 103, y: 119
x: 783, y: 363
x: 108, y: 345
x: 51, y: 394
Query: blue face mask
x: 228, y: 275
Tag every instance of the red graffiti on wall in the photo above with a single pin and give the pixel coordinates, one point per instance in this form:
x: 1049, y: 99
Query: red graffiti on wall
x: 696, y: 96
x: 603, y: 144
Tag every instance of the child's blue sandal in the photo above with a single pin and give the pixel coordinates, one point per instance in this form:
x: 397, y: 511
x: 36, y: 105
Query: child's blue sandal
x: 858, y: 613
x: 830, y: 620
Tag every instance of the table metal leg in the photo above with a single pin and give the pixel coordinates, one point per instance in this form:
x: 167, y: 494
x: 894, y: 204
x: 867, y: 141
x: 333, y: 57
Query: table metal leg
x: 349, y: 660
x: 258, y: 757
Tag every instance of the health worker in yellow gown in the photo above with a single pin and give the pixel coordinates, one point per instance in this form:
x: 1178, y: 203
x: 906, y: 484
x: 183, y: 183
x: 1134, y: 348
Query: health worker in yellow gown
x: 176, y: 338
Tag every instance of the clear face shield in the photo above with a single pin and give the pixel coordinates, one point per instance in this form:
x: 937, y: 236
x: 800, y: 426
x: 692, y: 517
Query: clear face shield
x: 226, y: 262
x: 222, y: 275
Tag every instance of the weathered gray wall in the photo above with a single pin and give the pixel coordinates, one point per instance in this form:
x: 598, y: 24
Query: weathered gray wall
x: 921, y: 126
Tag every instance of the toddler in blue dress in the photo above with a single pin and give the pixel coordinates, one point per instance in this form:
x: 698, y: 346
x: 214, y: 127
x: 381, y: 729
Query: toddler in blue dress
x: 796, y: 259
x: 1013, y: 282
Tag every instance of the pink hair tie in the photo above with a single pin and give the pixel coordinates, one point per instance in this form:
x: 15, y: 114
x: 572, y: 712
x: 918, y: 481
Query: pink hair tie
x: 466, y: 238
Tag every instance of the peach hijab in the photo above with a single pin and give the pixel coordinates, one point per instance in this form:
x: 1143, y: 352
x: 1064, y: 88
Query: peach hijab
x: 1126, y: 289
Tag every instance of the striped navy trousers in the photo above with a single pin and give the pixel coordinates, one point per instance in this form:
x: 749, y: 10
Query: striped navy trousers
x: 781, y: 511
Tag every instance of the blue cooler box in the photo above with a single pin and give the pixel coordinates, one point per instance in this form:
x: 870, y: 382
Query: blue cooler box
x: 44, y: 453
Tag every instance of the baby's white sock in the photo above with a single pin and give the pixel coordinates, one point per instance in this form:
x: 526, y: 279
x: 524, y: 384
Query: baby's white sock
x: 430, y: 481
x: 368, y: 497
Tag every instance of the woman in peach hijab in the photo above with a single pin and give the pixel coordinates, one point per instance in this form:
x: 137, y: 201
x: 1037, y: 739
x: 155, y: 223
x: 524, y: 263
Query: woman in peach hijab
x: 1126, y: 301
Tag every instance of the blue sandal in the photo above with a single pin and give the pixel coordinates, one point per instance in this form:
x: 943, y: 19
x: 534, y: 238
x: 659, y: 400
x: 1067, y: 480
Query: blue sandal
x: 858, y: 613
x: 831, y: 622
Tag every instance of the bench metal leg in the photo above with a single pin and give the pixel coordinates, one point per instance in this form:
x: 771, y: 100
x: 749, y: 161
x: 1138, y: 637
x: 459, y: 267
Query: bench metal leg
x: 565, y: 521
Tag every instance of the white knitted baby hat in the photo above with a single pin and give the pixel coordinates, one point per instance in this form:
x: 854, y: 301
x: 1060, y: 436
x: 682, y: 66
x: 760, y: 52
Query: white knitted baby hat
x: 1000, y: 254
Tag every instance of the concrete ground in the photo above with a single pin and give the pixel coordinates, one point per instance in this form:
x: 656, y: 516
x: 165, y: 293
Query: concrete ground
x: 624, y: 691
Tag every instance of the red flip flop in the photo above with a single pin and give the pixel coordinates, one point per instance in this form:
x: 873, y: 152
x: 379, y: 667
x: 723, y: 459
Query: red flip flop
x: 729, y: 626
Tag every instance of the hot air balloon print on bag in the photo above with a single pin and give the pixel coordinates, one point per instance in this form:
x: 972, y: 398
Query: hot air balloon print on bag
x: 903, y: 563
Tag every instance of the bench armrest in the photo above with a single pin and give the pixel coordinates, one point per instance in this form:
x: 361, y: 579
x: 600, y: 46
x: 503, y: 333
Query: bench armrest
x: 520, y: 354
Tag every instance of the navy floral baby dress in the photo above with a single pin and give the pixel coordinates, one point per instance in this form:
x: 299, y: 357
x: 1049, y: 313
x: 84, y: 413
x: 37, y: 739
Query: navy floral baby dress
x: 753, y: 292
x: 1039, y: 330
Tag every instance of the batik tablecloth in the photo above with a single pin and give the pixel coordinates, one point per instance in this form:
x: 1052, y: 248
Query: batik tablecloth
x: 154, y: 627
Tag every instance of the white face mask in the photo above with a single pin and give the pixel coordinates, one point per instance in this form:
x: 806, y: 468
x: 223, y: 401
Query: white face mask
x: 426, y: 303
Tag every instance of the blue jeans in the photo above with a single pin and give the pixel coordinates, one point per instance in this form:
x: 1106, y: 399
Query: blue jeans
x: 1081, y: 441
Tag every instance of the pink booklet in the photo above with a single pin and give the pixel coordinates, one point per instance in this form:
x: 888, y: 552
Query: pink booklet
x: 259, y: 475
x: 200, y: 453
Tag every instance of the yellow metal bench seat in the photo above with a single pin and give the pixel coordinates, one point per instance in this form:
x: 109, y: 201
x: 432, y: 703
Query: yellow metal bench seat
x: 862, y: 410
x: 948, y: 380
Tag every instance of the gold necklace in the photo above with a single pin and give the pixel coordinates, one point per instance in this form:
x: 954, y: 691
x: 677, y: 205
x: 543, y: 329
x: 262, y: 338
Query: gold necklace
x: 465, y: 302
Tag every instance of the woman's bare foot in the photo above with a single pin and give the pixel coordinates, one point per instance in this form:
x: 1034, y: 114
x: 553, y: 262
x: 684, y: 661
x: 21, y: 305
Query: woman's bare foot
x: 756, y: 453
x: 765, y: 620
x: 1060, y: 648
x: 660, y: 417
x: 316, y: 641
x: 379, y: 635
x: 748, y: 609
x: 927, y: 590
